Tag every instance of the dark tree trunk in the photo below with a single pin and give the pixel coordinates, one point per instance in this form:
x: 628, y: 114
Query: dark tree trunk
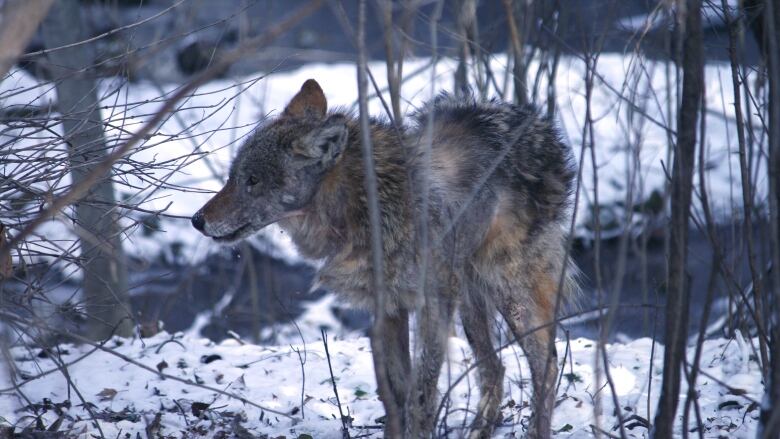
x: 768, y: 35
x: 754, y: 16
x: 102, y: 259
x: 466, y: 22
x: 515, y: 11
x: 19, y: 19
x: 678, y: 298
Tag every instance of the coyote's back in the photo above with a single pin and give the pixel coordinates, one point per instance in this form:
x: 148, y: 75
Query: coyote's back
x: 501, y: 179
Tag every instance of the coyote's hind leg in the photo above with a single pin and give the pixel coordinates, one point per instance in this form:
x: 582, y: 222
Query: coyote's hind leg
x: 475, y: 316
x: 537, y: 315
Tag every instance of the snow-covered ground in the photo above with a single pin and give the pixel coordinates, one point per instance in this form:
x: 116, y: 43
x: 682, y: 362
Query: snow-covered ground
x: 266, y: 386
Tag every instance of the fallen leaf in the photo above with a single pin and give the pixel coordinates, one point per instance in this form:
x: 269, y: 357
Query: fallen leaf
x: 161, y: 365
x: 206, y: 359
x: 198, y: 408
x: 153, y: 427
x: 729, y: 405
x: 107, y: 394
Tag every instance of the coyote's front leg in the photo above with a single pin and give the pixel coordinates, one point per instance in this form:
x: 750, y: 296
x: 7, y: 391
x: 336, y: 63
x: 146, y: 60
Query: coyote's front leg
x: 396, y: 367
x: 430, y: 348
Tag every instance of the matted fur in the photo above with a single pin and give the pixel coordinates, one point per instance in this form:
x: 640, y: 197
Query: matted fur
x: 474, y: 200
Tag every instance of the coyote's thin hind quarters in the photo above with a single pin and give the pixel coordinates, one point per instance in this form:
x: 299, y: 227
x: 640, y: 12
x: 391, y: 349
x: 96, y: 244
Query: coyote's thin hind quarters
x: 482, y: 200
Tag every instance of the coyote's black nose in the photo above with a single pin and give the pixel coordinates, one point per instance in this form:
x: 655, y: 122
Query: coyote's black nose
x: 197, y: 220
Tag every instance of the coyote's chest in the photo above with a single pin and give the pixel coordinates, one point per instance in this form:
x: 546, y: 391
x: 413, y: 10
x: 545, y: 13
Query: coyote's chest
x: 350, y: 274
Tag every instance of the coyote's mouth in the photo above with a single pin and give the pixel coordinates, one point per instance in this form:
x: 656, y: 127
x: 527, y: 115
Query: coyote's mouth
x: 249, y: 228
x: 234, y: 235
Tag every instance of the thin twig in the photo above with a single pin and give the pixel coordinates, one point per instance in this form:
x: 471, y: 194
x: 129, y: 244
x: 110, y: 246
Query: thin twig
x: 345, y: 420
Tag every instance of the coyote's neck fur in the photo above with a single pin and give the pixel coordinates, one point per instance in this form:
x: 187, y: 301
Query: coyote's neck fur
x: 337, y: 216
x: 335, y: 225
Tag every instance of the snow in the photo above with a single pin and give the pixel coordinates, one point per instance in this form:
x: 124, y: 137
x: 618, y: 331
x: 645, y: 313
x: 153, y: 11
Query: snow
x: 126, y: 398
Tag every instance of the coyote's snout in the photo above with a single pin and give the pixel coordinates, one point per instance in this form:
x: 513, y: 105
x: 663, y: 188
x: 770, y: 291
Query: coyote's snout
x: 472, y: 219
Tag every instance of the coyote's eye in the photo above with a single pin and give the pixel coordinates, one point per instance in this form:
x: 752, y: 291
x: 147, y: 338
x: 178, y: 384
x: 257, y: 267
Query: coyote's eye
x: 252, y: 180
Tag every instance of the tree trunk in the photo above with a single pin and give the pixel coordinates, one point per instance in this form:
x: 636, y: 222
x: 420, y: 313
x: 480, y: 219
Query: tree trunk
x: 678, y: 298
x: 768, y: 36
x: 393, y: 79
x: 514, y: 13
x: 19, y: 19
x: 466, y: 22
x: 105, y: 273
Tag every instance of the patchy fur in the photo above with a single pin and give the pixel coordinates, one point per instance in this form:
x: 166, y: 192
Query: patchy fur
x: 474, y: 197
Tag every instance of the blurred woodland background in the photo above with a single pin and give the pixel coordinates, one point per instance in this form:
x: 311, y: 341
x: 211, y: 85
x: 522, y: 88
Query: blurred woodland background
x: 118, y: 119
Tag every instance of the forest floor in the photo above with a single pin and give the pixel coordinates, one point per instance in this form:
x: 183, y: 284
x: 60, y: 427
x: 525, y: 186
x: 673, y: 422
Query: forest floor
x: 179, y: 386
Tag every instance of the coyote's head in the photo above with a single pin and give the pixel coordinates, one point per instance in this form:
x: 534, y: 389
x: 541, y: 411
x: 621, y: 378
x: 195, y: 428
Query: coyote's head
x: 278, y: 170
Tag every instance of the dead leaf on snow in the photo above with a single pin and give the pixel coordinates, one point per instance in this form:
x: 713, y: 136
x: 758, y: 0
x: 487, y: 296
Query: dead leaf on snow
x: 107, y: 394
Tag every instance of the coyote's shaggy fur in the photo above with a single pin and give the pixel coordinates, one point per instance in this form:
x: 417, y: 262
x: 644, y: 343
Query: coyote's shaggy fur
x: 479, y: 190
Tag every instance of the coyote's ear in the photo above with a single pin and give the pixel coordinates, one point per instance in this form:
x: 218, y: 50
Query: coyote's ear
x: 309, y: 101
x: 326, y: 143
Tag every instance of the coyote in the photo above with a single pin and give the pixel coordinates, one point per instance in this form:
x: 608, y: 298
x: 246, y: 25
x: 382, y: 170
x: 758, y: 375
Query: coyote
x: 479, y: 192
